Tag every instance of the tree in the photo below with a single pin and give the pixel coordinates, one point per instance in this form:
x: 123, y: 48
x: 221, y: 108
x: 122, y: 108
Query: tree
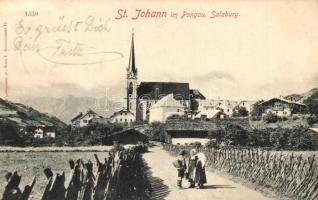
x: 257, y: 108
x: 236, y: 135
x: 9, y: 133
x: 194, y: 105
x: 312, y: 103
x: 157, y: 131
x: 240, y: 111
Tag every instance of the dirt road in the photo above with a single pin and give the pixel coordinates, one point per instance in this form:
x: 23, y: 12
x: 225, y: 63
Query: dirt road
x: 164, y: 178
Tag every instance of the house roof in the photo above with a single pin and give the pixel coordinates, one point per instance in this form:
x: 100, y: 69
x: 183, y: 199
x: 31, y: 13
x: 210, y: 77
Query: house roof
x: 219, y: 103
x: 282, y: 100
x: 129, y: 136
x: 155, y: 90
x: 208, y: 113
x: 314, y: 129
x: 121, y: 111
x: 90, y: 112
x: 77, y: 117
x: 172, y: 125
x: 196, y: 94
x: 167, y: 101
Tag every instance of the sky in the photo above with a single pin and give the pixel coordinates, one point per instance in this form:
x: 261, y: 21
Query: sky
x: 268, y: 50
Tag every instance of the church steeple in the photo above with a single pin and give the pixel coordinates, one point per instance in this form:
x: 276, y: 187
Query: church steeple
x: 132, y: 69
x: 132, y: 80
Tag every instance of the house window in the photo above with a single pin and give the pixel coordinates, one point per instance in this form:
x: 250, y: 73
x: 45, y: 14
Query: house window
x: 228, y: 110
x: 125, y: 113
x: 125, y: 120
x: 178, y: 110
x: 130, y: 120
x: 85, y: 121
x: 121, y: 119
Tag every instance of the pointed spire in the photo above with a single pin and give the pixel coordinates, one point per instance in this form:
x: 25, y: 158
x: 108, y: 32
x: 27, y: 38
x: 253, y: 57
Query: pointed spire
x: 132, y: 64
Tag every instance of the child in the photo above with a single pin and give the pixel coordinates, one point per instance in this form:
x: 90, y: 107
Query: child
x: 181, y: 166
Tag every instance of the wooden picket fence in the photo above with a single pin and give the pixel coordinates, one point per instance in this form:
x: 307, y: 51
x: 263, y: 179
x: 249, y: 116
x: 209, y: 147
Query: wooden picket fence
x: 120, y: 176
x: 288, y: 175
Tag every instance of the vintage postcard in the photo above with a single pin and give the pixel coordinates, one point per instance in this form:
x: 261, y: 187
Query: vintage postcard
x: 134, y: 100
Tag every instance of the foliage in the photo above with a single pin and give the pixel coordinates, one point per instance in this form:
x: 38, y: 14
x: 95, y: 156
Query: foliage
x: 177, y: 117
x: 194, y: 105
x: 236, y: 135
x: 257, y: 108
x: 312, y: 120
x: 92, y: 134
x: 240, y: 111
x: 9, y: 133
x: 157, y: 132
x: 312, y: 103
x: 270, y: 118
x: 212, y: 144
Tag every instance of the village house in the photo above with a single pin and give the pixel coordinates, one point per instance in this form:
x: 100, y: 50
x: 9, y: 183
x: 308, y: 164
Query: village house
x: 38, y: 133
x: 82, y: 120
x: 49, y: 131
x: 283, y: 108
x: 164, y: 108
x: 123, y: 117
x: 248, y: 105
x: 226, y: 106
x: 44, y: 131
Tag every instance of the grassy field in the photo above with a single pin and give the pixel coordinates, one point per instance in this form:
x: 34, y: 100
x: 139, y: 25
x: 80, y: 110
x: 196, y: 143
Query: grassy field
x: 30, y: 164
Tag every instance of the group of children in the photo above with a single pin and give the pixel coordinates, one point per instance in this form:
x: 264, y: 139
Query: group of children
x: 193, y: 170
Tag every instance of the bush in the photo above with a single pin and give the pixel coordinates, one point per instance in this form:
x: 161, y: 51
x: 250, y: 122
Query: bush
x: 284, y: 118
x: 240, y: 112
x: 197, y: 145
x: 312, y: 120
x: 295, y: 117
x: 212, y: 144
x: 270, y: 118
x: 256, y: 118
x: 117, y: 147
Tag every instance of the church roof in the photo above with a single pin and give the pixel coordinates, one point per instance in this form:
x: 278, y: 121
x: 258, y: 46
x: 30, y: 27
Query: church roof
x: 167, y: 101
x: 196, y: 94
x: 154, y: 90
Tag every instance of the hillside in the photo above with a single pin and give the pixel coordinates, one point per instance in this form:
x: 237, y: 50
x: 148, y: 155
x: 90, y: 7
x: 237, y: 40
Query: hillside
x: 65, y: 108
x: 309, y: 98
x: 24, y: 116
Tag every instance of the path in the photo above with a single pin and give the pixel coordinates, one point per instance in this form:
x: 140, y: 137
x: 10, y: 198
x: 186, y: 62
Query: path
x: 164, y: 178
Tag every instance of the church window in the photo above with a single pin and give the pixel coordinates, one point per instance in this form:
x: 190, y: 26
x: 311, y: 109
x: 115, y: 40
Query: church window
x: 130, y: 89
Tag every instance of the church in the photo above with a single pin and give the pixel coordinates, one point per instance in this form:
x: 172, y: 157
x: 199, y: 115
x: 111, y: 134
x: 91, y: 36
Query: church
x: 142, y: 96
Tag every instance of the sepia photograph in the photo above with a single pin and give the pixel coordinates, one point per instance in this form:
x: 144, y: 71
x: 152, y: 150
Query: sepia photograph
x: 159, y: 100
